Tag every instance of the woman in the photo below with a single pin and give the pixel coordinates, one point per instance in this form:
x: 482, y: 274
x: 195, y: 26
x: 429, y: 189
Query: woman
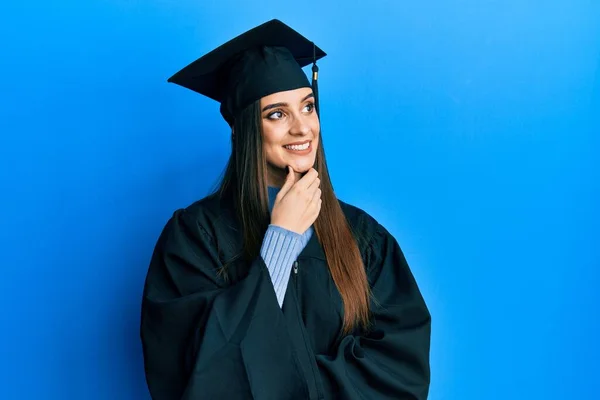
x: 271, y: 287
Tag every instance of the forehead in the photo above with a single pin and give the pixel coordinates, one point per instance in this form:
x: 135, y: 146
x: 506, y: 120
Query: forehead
x: 288, y: 96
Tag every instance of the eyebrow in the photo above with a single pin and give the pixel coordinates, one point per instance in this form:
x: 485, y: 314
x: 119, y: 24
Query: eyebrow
x: 275, y: 105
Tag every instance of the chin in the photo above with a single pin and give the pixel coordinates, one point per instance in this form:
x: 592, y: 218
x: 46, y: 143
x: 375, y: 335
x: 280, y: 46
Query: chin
x: 302, y: 167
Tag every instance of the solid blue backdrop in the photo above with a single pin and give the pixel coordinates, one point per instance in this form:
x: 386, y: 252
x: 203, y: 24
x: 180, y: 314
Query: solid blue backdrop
x: 468, y: 128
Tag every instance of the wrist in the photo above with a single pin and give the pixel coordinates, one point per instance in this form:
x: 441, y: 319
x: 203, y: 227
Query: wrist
x: 283, y: 229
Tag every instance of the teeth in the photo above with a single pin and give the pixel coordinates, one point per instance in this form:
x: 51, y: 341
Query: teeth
x: 298, y: 147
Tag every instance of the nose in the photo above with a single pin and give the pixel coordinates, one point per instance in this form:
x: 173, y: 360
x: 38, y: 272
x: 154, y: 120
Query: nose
x: 300, y: 126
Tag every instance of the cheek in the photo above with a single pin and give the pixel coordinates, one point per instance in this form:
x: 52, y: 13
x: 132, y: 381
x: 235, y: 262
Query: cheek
x: 269, y: 136
x: 316, y: 128
x: 272, y: 140
x: 315, y: 124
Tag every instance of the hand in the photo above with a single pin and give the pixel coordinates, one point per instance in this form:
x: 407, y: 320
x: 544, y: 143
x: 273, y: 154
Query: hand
x: 298, y: 203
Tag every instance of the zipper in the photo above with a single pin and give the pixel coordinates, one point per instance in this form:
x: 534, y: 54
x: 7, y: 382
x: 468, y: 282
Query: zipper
x: 314, y: 373
x: 295, y: 269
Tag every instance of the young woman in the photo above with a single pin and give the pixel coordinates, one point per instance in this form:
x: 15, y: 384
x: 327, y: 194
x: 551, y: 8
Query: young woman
x: 271, y: 287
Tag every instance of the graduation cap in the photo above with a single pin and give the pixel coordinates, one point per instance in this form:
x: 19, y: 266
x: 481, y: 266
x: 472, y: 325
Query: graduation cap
x: 264, y: 60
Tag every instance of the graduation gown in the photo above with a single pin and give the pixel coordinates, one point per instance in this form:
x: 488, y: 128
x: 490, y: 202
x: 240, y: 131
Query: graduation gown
x: 208, y: 337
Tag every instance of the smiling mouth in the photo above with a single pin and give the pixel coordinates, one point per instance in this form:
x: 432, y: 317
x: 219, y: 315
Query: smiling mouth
x: 298, y: 147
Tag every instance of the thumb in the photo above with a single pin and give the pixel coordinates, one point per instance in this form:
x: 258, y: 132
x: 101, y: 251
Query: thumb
x: 290, y: 179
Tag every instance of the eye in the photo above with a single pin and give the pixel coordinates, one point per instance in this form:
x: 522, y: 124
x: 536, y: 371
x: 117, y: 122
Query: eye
x: 310, y: 106
x: 275, y: 115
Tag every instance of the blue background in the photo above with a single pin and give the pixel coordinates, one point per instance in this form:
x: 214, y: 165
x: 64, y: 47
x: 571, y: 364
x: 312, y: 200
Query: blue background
x: 468, y: 128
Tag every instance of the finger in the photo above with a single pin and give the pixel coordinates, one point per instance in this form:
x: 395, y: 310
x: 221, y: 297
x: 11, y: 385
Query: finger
x: 289, y: 182
x: 316, y: 197
x: 308, y: 178
x: 314, y: 185
x: 316, y: 207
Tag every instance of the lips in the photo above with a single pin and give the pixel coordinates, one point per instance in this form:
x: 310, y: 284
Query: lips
x: 298, y: 143
x: 298, y: 146
x: 304, y: 147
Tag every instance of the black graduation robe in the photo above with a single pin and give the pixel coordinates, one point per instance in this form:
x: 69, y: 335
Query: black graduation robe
x: 206, y: 337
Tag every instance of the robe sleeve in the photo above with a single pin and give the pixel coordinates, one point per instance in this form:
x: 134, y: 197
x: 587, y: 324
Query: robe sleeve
x: 391, y: 361
x: 203, y: 337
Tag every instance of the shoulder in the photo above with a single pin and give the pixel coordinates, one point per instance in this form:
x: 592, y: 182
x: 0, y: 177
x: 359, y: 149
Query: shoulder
x: 201, y: 219
x: 371, y: 235
x: 202, y: 227
x: 206, y: 209
x: 365, y: 227
x: 356, y: 215
x: 211, y: 211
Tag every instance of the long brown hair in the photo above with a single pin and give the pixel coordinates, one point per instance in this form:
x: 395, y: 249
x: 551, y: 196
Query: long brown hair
x: 245, y: 182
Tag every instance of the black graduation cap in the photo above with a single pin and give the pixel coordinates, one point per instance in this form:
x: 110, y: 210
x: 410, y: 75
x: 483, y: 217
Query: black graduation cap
x: 264, y: 60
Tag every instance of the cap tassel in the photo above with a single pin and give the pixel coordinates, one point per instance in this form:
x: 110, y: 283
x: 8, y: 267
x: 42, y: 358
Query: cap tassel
x: 315, y: 76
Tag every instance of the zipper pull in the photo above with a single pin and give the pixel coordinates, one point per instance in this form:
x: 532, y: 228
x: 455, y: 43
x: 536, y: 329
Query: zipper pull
x: 295, y: 265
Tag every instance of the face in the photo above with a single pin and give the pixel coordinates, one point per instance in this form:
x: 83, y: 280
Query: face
x: 290, y: 132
